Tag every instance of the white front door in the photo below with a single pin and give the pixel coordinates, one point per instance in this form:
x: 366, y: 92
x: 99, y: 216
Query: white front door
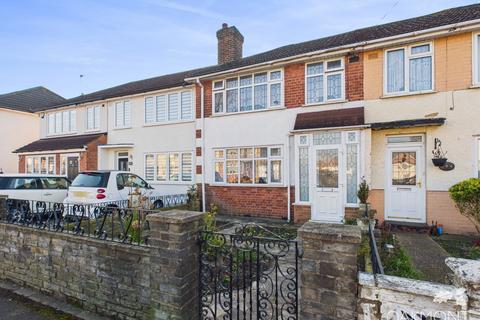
x: 405, y: 188
x: 328, y: 189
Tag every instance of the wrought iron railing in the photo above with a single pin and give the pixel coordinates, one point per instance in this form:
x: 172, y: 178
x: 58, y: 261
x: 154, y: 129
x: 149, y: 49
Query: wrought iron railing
x: 377, y: 266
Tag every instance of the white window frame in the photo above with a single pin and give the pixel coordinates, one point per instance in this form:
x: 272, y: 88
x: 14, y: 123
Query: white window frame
x: 65, y: 128
x: 39, y: 158
x: 359, y: 150
x: 475, y: 60
x: 476, y: 157
x: 269, y: 159
x: 167, y: 104
x: 167, y: 173
x: 96, y: 126
x: 407, y: 57
x: 223, y: 89
x: 123, y: 125
x: 326, y: 73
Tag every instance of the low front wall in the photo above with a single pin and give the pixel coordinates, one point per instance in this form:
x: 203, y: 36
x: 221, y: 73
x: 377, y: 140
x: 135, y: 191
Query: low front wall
x: 440, y: 209
x: 107, y: 278
x: 267, y: 202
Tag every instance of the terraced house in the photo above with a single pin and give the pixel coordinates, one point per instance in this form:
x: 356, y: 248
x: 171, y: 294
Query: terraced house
x: 289, y: 133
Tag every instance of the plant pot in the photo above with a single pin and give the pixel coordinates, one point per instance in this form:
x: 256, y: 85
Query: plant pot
x: 439, y: 162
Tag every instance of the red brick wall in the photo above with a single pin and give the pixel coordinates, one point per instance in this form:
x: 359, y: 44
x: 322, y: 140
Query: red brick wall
x: 21, y: 164
x: 354, y: 79
x: 294, y: 85
x: 268, y: 202
x: 301, y: 213
x: 90, y: 158
x: 207, y: 99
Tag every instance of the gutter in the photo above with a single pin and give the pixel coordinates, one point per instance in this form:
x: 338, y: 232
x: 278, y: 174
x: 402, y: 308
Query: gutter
x: 371, y: 44
x: 202, y: 108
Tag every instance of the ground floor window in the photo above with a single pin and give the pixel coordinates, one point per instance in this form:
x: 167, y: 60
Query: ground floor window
x: 248, y: 165
x: 41, y: 164
x: 169, y: 166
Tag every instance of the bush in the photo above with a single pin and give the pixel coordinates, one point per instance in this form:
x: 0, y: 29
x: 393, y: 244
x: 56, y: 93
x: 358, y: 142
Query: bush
x: 193, y: 201
x: 466, y: 195
x: 363, y: 191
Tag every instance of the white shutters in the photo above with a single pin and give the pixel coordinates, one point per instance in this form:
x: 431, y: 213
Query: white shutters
x: 122, y: 114
x: 169, y: 166
x: 93, y: 118
x: 61, y: 122
x: 169, y: 107
x: 51, y: 123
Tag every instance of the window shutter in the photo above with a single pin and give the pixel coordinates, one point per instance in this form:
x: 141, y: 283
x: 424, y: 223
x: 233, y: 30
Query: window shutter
x: 51, y: 123
x: 73, y: 120
x: 173, y: 106
x: 127, y: 113
x: 186, y: 167
x: 58, y: 122
x: 161, y: 108
x: 149, y: 167
x: 186, y: 105
x: 65, y: 121
x: 96, y: 121
x: 149, y: 110
x: 118, y: 114
x: 89, y: 118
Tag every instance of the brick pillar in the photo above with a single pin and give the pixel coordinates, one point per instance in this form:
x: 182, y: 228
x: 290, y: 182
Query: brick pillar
x: 467, y: 275
x: 175, y: 266
x: 329, y: 271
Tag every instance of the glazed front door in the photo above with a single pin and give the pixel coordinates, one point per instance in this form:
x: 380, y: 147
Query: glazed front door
x: 72, y: 167
x: 328, y: 188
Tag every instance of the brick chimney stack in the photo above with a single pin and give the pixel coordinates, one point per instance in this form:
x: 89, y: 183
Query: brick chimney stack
x: 230, y: 44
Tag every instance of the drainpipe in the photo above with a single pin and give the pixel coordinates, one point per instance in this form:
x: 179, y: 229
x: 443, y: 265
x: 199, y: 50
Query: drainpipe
x: 289, y: 200
x: 202, y: 112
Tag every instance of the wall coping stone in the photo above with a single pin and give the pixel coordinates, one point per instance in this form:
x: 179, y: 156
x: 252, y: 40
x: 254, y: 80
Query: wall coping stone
x: 468, y: 271
x: 331, y: 232
x: 175, y: 216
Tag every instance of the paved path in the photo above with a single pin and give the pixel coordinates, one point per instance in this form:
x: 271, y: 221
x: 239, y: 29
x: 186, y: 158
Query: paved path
x: 427, y: 255
x: 13, y: 307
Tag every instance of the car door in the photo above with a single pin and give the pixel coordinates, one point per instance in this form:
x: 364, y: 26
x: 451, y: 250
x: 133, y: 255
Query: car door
x: 122, y: 188
x: 25, y: 188
x: 54, y: 189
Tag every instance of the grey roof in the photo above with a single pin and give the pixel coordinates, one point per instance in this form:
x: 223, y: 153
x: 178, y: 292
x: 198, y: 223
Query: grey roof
x: 30, y: 100
x: 60, y: 143
x: 438, y: 19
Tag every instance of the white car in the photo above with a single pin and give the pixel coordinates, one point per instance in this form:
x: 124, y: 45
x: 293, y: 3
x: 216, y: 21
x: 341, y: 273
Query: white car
x: 34, y: 187
x: 110, y: 188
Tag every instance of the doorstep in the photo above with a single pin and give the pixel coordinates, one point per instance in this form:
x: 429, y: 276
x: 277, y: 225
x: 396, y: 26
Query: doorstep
x: 407, y: 226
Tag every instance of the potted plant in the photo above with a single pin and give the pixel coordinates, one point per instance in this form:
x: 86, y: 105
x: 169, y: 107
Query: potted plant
x: 439, y: 157
x: 363, y: 194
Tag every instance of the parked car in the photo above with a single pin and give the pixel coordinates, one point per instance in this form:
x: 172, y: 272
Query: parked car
x: 113, y: 188
x: 48, y: 188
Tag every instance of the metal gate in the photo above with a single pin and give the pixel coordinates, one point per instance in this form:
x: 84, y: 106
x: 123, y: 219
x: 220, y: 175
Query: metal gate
x: 247, y: 273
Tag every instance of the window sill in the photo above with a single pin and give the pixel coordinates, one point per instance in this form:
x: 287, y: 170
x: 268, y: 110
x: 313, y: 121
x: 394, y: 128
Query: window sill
x: 247, y: 112
x: 61, y: 134
x: 122, y: 128
x: 407, y: 94
x: 475, y: 86
x: 159, y: 124
x: 325, y: 103
x: 304, y: 204
x: 247, y: 185
x: 93, y: 130
x: 351, y: 205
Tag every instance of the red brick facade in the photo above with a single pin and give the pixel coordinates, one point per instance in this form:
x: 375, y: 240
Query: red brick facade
x: 354, y: 78
x: 294, y: 85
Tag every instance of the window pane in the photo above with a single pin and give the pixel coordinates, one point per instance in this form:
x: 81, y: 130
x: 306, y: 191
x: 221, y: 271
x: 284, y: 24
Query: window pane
x: 219, y: 102
x: 186, y: 105
x: 174, y: 167
x: 421, y: 74
x: 404, y: 168
x: 315, y: 89
x: 478, y: 59
x: 36, y: 165
x: 334, y: 86
x: 232, y: 153
x: 127, y: 113
x: 173, y: 106
x: 51, y: 165
x: 245, y: 81
x: 218, y: 85
x: 29, y: 165
x: 150, y: 116
x: 43, y: 165
x: 421, y: 49
x: 352, y: 183
x: 275, y: 152
x: 327, y: 168
x: 260, y: 78
x: 324, y: 138
x: 232, y: 83
x: 275, y: 94
x: 186, y: 167
x: 246, y: 99
x: 315, y: 68
x: 232, y: 171
x: 246, y: 153
x: 149, y: 167
x: 219, y: 154
x: 73, y: 120
x: 261, y: 152
x: 63, y: 165
x: 96, y: 118
x: 232, y: 100
x: 89, y: 118
x: 260, y: 92
x: 246, y: 171
x: 219, y: 172
x: 58, y: 122
x: 261, y: 171
x: 334, y: 64
x: 303, y: 173
x: 118, y: 114
x: 396, y: 71
x: 51, y: 123
x: 275, y: 171
x: 162, y: 167
x: 275, y: 75
x: 161, y: 108
x: 65, y: 121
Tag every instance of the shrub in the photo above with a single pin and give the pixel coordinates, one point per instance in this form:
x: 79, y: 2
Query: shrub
x: 466, y: 195
x: 363, y: 191
x: 193, y: 201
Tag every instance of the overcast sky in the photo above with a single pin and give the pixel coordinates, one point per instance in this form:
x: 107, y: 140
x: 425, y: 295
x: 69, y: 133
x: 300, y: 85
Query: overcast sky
x: 51, y: 42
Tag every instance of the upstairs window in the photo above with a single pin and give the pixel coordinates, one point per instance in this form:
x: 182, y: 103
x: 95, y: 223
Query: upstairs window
x: 122, y: 114
x: 325, y: 81
x: 93, y: 118
x: 257, y: 91
x: 61, y: 122
x: 476, y: 59
x: 169, y: 107
x: 409, y: 69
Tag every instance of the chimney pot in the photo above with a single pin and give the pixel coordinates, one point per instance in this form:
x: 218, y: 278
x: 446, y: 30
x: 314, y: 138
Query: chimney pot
x: 230, y: 44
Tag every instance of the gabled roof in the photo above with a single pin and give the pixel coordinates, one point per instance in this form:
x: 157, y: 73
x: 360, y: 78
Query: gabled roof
x: 60, y: 143
x: 438, y: 19
x: 30, y: 100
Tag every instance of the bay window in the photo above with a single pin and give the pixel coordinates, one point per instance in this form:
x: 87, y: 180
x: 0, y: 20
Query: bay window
x: 169, y: 167
x: 248, y: 165
x: 409, y: 69
x: 122, y: 114
x: 93, y: 118
x: 325, y: 81
x: 169, y: 107
x: 40, y: 164
x: 257, y: 91
x: 61, y: 122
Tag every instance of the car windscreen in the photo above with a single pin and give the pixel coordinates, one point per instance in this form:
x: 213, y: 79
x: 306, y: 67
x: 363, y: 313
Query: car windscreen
x: 91, y: 180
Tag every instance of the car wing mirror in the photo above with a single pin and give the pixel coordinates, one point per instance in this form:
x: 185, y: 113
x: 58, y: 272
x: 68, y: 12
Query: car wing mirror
x: 120, y: 187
